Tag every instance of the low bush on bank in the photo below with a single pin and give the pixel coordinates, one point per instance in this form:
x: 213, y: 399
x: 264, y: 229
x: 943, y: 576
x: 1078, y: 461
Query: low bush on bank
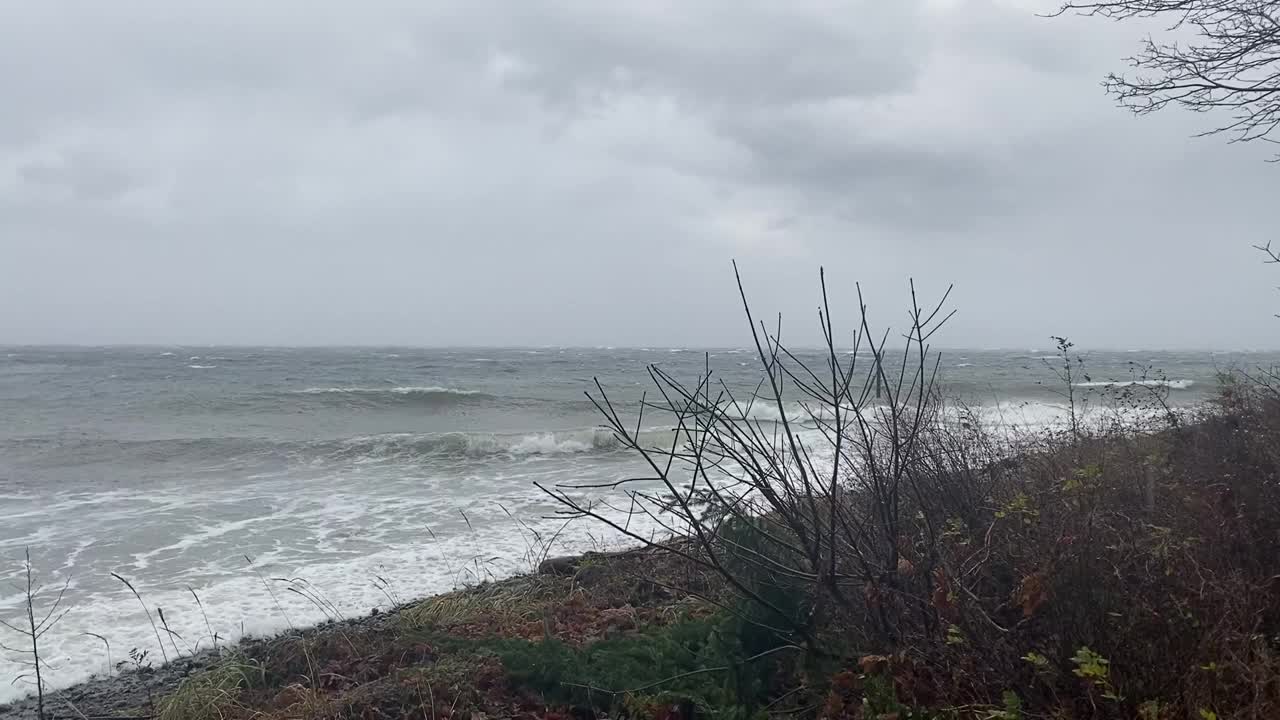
x: 1125, y: 563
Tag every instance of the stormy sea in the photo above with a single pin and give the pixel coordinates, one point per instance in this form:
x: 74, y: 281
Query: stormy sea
x: 366, y: 476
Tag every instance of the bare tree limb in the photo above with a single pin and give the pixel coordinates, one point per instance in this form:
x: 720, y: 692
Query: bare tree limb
x: 1226, y: 59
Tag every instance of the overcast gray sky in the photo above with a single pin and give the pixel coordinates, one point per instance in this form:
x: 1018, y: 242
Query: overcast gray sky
x: 482, y: 172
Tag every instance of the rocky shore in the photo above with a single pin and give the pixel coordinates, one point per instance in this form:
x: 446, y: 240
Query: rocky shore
x: 532, y: 606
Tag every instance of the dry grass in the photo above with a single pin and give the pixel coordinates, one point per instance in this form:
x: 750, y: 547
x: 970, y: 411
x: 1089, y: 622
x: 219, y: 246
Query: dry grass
x: 213, y: 694
x: 518, y: 600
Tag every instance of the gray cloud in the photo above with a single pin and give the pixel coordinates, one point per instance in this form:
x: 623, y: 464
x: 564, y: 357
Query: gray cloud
x: 573, y: 172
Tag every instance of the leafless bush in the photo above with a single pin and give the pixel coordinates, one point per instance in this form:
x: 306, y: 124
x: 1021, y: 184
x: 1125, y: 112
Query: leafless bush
x: 803, y: 493
x: 34, y: 629
x: 845, y: 508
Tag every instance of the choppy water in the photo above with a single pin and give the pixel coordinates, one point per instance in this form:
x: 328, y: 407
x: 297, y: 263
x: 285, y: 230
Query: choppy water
x: 341, y: 466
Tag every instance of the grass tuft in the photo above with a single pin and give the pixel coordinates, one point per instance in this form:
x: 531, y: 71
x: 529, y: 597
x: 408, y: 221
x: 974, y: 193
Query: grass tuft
x: 212, y: 694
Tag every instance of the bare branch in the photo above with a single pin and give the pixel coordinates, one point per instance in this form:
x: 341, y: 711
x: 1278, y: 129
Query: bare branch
x: 1231, y: 63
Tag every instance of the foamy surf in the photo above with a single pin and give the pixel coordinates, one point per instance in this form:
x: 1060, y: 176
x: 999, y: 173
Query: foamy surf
x: 428, y: 390
x: 332, y: 464
x: 481, y: 445
x: 250, y: 601
x: 421, y: 396
x: 1170, y: 384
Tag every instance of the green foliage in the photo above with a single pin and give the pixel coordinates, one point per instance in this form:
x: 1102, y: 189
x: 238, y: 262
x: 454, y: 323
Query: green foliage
x: 695, y: 661
x: 880, y: 698
x: 1038, y: 661
x: 1011, y: 707
x: 1096, y: 670
x: 789, y: 600
x: 1091, y: 666
x: 1020, y: 508
x: 1083, y: 478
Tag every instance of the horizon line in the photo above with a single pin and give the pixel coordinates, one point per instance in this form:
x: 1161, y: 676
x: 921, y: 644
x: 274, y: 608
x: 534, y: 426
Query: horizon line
x: 1046, y: 349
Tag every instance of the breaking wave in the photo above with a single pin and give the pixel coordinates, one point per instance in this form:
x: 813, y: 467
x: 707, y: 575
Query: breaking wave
x: 420, y: 396
x: 431, y: 390
x: 211, y: 452
x: 405, y: 446
x: 1170, y: 384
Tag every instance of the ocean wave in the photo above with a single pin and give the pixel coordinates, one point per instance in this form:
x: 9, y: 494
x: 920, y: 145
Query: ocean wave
x: 61, y: 451
x: 1170, y: 384
x: 202, y: 367
x: 418, y: 396
x: 1038, y: 416
x: 801, y: 413
x: 407, y: 446
x: 407, y: 390
x: 209, y: 453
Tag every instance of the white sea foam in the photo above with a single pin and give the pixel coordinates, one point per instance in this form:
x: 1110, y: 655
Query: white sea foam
x: 336, y: 532
x: 408, y: 446
x: 549, y: 444
x: 404, y: 390
x: 1171, y: 384
x: 1021, y: 418
x: 1000, y: 417
x: 202, y: 367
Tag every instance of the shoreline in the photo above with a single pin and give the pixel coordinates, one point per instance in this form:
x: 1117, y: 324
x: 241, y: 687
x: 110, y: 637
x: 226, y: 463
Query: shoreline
x: 132, y: 691
x: 129, y: 689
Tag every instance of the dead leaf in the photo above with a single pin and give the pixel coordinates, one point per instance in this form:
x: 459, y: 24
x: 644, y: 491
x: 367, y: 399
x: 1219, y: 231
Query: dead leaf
x: 873, y: 664
x: 1032, y: 593
x: 942, y: 597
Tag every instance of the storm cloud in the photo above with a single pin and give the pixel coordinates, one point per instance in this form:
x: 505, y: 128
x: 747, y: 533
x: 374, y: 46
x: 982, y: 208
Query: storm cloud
x: 559, y: 172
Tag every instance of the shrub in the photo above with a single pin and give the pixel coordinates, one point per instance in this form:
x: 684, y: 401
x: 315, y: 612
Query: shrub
x: 1096, y: 570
